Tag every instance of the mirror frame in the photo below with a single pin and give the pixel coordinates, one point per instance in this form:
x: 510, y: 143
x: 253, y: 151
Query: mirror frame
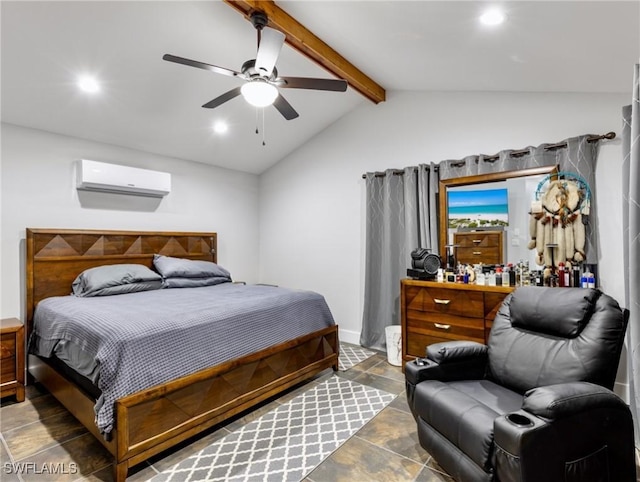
x: 443, y: 211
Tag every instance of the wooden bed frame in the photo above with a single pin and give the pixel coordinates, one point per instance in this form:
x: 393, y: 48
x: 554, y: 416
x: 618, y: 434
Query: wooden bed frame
x: 155, y: 419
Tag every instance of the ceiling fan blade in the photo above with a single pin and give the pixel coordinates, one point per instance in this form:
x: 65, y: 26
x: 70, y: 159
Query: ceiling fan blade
x: 202, y: 65
x: 223, y: 98
x: 335, y: 85
x: 285, y: 108
x: 271, y: 42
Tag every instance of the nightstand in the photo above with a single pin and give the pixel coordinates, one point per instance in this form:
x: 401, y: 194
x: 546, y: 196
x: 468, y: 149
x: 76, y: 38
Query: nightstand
x: 12, y: 358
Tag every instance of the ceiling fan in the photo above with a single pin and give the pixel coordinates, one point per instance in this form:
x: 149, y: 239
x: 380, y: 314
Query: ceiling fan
x: 260, y: 74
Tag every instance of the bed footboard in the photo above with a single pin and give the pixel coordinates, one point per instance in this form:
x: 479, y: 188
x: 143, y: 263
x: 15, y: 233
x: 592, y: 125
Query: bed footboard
x: 153, y: 420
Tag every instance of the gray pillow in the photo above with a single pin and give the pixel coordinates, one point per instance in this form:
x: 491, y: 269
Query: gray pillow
x: 170, y: 267
x: 116, y: 279
x: 194, y: 282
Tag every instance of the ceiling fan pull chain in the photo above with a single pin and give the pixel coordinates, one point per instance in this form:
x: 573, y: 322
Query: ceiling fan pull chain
x: 263, y: 143
x: 257, y: 121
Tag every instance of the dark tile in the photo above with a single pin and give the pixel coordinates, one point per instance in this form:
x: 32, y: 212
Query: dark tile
x: 7, y: 401
x: 35, y: 390
x: 396, y: 431
x: 401, y: 403
x: 319, y: 377
x: 103, y: 475
x: 30, y: 392
x: 381, y: 383
x: 69, y: 461
x: 358, y: 460
x: 31, y: 410
x: 40, y: 435
x: 385, y: 369
x: 435, y: 467
x: 349, y: 374
x: 8, y: 474
x: 429, y: 475
x: 139, y: 473
x: 369, y: 363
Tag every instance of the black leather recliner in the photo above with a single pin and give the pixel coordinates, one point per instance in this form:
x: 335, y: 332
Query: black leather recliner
x: 536, y: 404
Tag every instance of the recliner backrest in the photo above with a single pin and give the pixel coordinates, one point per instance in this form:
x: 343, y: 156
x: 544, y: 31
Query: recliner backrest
x: 542, y: 336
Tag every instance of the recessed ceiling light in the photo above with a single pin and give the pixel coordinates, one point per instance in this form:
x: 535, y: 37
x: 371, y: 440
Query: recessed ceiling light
x: 220, y: 127
x: 88, y: 84
x: 492, y: 17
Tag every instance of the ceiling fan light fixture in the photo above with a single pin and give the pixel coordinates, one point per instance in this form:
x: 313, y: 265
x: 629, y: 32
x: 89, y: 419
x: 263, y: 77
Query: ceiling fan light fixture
x: 259, y: 93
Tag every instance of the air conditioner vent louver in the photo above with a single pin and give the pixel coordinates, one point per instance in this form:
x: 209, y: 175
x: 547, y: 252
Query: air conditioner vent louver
x: 114, y: 178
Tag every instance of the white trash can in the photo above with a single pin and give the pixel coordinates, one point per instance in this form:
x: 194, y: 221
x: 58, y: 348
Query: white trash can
x: 394, y: 344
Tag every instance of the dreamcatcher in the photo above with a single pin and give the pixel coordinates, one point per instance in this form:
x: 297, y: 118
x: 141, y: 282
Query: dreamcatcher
x: 558, y: 218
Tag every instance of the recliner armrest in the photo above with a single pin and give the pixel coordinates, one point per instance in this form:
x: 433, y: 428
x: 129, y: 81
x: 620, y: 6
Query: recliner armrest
x: 554, y: 402
x: 455, y: 351
x: 447, y: 361
x: 565, y: 429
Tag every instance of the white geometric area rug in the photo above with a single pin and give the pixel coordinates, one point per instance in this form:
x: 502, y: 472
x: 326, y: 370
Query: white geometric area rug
x: 287, y: 443
x: 351, y: 355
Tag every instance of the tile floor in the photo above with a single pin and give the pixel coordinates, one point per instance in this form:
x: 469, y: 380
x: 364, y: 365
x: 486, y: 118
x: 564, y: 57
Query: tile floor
x: 41, y: 431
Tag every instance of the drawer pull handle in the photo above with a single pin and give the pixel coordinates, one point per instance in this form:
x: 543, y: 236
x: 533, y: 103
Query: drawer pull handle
x: 477, y: 240
x: 477, y: 252
x: 441, y: 302
x: 441, y: 326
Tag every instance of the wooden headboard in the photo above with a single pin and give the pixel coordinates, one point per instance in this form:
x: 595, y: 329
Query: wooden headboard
x: 55, y: 257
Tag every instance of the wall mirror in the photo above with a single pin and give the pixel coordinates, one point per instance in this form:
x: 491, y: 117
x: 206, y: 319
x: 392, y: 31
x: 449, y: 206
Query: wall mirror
x: 485, y: 218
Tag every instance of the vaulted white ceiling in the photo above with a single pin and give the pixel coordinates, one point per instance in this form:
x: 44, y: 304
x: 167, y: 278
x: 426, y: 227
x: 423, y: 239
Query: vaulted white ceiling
x: 155, y: 106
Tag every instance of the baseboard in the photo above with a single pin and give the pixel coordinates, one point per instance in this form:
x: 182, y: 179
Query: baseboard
x: 349, y: 336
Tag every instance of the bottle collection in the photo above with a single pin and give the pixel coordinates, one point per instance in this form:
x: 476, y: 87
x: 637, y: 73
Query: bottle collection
x: 564, y: 276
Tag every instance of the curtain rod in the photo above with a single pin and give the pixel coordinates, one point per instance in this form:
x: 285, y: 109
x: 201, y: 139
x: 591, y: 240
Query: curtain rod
x: 518, y: 153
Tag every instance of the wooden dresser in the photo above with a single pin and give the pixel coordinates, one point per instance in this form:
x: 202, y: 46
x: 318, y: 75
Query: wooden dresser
x: 12, y: 358
x: 479, y: 247
x: 434, y: 312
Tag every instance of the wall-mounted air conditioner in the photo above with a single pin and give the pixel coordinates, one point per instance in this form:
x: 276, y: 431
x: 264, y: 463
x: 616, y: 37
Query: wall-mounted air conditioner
x: 103, y: 177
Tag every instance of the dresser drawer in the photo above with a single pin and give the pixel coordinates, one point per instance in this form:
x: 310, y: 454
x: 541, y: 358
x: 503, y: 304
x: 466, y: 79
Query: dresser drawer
x: 486, y: 255
x: 8, y: 370
x: 439, y: 312
x: 7, y: 346
x: 446, y: 301
x: 417, y: 341
x: 492, y: 303
x: 7, y: 357
x: 477, y: 240
x: 445, y: 326
x: 12, y: 358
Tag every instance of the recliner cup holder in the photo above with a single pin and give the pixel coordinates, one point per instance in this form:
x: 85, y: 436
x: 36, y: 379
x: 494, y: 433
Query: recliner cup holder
x: 520, y: 420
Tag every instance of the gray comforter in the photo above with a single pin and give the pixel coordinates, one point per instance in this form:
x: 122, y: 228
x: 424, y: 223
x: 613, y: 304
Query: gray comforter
x: 129, y: 342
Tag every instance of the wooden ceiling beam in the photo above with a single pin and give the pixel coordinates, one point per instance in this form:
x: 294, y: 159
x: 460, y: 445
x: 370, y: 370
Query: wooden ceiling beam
x: 307, y: 43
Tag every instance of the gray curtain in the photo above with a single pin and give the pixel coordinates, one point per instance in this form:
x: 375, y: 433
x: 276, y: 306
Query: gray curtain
x: 578, y: 157
x: 400, y: 217
x: 631, y: 238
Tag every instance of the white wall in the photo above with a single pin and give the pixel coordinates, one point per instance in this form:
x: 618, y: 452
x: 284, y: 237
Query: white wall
x: 38, y: 191
x: 312, y: 202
